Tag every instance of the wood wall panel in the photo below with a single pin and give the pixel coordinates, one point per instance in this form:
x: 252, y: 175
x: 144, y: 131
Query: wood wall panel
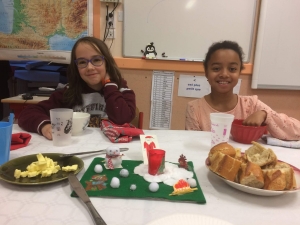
x: 140, y: 81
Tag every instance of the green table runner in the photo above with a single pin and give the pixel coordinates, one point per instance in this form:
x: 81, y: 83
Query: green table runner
x: 142, y: 190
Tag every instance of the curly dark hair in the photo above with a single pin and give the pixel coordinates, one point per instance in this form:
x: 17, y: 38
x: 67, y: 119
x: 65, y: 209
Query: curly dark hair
x: 76, y: 85
x: 224, y: 45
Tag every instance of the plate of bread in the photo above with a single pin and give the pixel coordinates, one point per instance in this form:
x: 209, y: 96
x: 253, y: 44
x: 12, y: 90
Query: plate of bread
x: 256, y: 171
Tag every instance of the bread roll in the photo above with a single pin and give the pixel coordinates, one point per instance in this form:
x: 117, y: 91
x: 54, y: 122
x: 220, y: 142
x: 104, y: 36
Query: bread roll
x: 278, y: 165
x: 274, y: 180
x: 260, y: 155
x: 241, y: 157
x: 290, y: 179
x: 251, y: 175
x: 284, y: 168
x: 224, y: 165
x: 224, y: 148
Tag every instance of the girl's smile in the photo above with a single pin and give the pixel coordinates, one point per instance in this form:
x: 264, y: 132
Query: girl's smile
x: 223, y: 70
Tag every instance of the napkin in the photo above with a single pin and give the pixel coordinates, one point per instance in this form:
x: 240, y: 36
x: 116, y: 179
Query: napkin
x: 277, y: 142
x: 119, y: 133
x: 19, y: 140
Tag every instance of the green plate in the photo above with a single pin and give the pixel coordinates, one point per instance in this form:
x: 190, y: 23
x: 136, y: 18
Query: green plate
x: 7, y: 169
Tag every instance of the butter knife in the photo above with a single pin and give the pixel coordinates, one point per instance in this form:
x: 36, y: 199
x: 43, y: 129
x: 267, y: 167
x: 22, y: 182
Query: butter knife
x: 80, y: 191
x: 82, y: 153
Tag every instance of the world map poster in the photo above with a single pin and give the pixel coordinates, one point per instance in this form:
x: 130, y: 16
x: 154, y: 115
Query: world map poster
x: 43, y: 30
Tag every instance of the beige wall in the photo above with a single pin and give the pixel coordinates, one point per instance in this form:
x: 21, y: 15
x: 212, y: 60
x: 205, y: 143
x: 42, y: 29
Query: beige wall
x: 139, y: 79
x: 282, y: 101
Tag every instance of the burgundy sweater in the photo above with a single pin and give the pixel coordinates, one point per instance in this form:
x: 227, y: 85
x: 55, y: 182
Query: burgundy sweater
x: 116, y: 105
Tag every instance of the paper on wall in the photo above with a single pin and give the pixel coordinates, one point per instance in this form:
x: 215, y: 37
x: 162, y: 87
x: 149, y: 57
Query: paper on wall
x: 161, y: 100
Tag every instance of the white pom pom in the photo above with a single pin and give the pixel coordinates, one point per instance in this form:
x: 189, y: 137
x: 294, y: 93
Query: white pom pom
x: 115, y: 182
x: 132, y: 187
x: 153, y: 187
x: 98, y: 168
x: 192, y: 182
x: 124, y: 173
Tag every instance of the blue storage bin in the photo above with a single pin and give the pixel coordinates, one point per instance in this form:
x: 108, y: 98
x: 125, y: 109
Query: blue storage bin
x: 38, y: 75
x: 39, y: 71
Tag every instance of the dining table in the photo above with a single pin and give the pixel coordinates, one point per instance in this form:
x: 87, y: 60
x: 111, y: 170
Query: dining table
x: 52, y: 203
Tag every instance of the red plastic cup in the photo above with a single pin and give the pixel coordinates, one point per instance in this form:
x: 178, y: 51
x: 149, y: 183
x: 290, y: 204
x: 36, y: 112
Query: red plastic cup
x: 156, y: 161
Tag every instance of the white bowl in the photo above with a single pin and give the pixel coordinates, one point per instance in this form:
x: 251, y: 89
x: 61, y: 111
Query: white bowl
x: 80, y: 122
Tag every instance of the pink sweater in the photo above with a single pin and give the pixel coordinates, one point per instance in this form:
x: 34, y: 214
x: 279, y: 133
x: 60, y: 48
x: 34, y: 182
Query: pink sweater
x: 279, y: 125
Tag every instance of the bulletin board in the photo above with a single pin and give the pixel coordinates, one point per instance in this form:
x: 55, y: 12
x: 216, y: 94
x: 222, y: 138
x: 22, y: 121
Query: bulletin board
x: 184, y: 29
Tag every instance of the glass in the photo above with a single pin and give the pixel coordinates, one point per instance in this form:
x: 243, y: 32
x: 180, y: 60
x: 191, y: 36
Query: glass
x: 156, y: 161
x: 61, y: 121
x: 220, y: 127
x: 96, y: 60
x: 5, y: 139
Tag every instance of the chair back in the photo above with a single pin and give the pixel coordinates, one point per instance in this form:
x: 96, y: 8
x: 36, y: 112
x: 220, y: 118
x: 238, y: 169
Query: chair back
x: 138, y: 119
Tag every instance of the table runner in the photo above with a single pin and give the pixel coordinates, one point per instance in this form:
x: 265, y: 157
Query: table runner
x: 141, y: 191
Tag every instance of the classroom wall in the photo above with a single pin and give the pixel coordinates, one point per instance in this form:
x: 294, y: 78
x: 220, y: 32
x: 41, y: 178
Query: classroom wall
x: 282, y: 101
x: 139, y: 79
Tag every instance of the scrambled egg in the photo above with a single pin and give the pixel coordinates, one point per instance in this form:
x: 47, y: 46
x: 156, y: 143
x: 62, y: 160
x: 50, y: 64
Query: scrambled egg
x: 69, y: 168
x: 44, y: 166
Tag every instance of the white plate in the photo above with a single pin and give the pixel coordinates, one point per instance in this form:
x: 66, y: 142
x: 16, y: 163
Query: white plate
x: 188, y: 219
x: 257, y: 191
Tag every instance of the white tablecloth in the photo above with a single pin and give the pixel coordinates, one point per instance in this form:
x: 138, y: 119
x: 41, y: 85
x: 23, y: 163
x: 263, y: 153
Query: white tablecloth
x: 51, y: 204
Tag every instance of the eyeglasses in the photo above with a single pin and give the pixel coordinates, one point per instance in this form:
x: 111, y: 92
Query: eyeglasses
x: 96, y: 60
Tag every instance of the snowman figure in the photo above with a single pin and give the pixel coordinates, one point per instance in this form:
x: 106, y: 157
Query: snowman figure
x: 113, y: 157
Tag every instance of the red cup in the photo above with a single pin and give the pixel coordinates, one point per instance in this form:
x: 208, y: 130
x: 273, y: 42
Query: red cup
x: 156, y: 161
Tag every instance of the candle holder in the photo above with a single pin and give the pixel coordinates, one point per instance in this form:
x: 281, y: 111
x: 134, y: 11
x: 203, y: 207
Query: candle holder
x: 156, y: 161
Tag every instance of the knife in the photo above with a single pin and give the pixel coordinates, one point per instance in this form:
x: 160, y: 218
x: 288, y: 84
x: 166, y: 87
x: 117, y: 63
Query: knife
x: 80, y: 191
x: 82, y: 153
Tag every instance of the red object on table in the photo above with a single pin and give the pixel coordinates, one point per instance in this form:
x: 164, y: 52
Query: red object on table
x: 246, y: 134
x: 19, y: 140
x: 156, y: 161
x: 119, y: 133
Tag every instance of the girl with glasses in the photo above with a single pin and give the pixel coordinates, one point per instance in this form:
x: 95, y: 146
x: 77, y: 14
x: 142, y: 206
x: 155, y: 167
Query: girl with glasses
x: 95, y: 86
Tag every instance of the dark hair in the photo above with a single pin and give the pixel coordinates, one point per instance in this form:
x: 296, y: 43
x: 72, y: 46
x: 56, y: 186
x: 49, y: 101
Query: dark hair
x: 224, y: 45
x: 72, y: 96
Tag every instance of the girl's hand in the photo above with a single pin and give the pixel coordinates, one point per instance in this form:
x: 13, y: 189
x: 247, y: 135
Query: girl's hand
x: 47, y: 131
x: 256, y: 119
x: 107, y: 77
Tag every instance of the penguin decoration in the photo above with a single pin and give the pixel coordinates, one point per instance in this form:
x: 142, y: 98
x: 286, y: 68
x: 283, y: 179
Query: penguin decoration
x: 150, y: 52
